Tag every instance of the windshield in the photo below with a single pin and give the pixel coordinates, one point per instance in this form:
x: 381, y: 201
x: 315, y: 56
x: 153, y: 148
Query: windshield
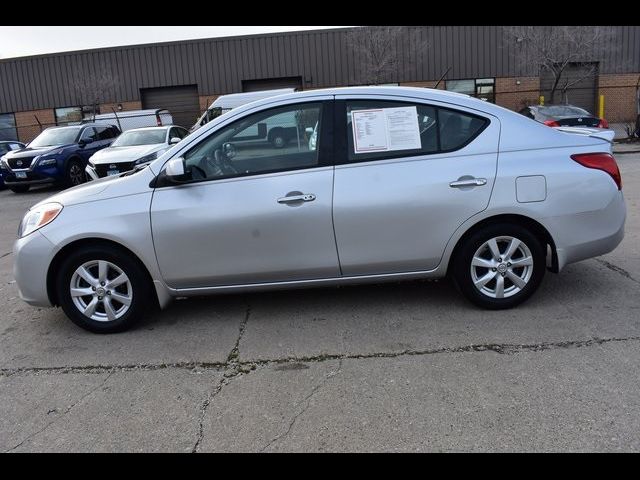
x: 141, y: 137
x: 55, y: 136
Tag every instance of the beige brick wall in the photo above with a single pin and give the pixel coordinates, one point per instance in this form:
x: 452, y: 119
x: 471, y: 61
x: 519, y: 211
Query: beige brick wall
x: 27, y: 125
x: 205, y: 101
x: 514, y: 96
x: 107, y: 107
x: 619, y: 92
x: 424, y: 84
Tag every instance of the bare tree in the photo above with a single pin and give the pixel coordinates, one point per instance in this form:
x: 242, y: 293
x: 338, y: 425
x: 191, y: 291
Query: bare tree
x: 94, y: 87
x: 554, y: 49
x: 378, y: 51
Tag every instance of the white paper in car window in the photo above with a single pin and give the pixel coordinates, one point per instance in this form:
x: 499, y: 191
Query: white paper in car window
x: 385, y: 129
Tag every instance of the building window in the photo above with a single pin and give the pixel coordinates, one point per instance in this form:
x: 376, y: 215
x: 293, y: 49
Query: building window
x: 68, y: 115
x: 482, y: 88
x: 8, y: 127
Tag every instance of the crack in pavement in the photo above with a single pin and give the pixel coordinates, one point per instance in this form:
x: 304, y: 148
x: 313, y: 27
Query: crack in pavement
x: 616, y: 269
x: 5, y: 254
x: 249, y: 365
x: 307, y: 402
x: 233, y: 367
x: 69, y: 408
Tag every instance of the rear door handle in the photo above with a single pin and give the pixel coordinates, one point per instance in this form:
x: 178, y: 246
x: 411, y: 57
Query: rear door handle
x: 471, y: 182
x: 307, y: 197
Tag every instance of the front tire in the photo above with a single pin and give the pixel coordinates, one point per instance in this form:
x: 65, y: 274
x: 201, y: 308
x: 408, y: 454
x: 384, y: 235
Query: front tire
x: 75, y: 174
x: 103, y: 289
x: 499, y: 266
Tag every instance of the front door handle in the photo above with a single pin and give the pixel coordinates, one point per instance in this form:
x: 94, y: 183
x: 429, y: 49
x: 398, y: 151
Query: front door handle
x: 305, y: 197
x: 470, y: 182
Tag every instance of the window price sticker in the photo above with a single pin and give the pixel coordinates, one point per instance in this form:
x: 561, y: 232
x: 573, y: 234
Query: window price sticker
x: 385, y: 129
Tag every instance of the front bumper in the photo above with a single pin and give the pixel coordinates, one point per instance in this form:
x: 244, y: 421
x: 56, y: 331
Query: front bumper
x: 89, y: 170
x: 32, y: 256
x: 32, y: 177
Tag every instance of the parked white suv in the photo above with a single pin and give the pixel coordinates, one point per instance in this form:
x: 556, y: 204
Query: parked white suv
x: 133, y: 148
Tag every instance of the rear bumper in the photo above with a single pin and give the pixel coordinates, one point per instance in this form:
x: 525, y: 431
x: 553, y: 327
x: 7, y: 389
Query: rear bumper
x: 589, y: 234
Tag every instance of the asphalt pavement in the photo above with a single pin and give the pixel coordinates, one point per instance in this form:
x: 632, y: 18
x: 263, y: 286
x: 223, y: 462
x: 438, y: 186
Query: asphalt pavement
x: 394, y: 367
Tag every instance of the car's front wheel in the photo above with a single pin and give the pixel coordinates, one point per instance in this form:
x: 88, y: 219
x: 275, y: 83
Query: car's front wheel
x: 102, y: 289
x: 75, y: 173
x: 499, y: 266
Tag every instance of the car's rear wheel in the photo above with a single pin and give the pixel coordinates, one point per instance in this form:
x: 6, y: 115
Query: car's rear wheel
x: 102, y: 289
x: 19, y: 188
x: 499, y: 266
x: 75, y: 173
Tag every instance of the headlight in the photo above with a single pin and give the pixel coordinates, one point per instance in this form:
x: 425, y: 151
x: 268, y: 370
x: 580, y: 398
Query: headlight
x: 38, y: 217
x: 43, y: 162
x: 146, y: 158
x: 3, y: 163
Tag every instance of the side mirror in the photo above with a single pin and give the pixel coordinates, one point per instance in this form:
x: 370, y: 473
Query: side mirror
x: 174, y: 140
x: 175, y: 168
x: 85, y: 141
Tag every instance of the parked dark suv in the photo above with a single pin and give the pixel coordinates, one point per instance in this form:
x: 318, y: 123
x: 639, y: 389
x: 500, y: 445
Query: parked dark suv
x: 58, y: 155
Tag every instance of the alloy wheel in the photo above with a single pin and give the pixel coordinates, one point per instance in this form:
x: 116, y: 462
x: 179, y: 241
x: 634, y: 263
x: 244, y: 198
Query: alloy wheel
x: 101, y: 290
x: 501, y: 267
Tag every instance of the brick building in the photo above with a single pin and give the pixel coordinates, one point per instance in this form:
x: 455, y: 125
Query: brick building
x: 186, y: 76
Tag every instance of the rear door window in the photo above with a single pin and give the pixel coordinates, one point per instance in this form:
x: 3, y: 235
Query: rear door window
x: 403, y: 129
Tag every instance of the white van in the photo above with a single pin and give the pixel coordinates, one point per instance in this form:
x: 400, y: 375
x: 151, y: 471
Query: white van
x: 224, y: 103
x: 136, y: 118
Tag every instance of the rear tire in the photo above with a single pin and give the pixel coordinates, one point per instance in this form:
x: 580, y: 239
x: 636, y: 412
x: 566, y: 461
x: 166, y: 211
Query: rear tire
x: 499, y: 266
x: 103, y: 289
x: 19, y: 188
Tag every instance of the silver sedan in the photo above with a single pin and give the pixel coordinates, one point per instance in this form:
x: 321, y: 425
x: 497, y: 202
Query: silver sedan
x: 399, y: 183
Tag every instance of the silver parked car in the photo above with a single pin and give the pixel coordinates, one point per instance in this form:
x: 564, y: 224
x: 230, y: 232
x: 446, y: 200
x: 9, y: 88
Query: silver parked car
x: 403, y: 183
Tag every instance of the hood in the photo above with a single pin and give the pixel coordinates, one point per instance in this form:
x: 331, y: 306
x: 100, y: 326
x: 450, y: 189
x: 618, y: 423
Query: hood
x: 104, y: 188
x: 125, y: 154
x: 32, y: 152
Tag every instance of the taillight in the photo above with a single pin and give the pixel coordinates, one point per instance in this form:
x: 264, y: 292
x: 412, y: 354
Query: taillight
x: 600, y: 161
x: 551, y: 123
x: 158, y: 121
x: 603, y: 123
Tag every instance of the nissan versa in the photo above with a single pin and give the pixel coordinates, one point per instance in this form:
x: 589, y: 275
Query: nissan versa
x: 401, y: 183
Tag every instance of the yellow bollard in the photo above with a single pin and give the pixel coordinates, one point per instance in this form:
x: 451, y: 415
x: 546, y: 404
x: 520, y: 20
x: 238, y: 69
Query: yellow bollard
x: 601, y: 107
x: 541, y: 99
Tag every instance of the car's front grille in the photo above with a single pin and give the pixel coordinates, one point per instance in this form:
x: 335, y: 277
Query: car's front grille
x: 102, y: 169
x: 20, y: 162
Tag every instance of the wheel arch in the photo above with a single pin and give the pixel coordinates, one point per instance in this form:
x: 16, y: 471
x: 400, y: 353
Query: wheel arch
x: 83, y: 242
x: 529, y: 223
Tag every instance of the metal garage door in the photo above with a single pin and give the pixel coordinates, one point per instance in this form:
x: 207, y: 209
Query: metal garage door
x: 581, y: 93
x: 181, y: 101
x: 271, y: 84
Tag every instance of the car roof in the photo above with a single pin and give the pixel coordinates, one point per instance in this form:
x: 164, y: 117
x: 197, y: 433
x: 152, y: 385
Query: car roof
x: 162, y: 127
x: 458, y: 99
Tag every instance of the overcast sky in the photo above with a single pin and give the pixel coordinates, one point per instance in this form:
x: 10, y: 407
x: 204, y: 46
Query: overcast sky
x: 23, y: 41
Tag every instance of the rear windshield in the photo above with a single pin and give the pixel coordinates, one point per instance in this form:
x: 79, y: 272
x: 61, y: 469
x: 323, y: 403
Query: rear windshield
x: 559, y: 111
x: 144, y: 137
